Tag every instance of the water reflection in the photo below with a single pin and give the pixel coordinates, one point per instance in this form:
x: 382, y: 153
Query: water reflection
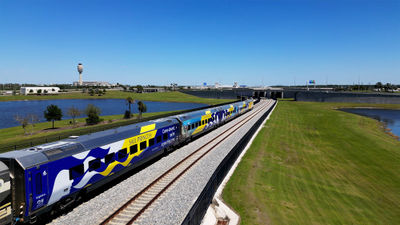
x: 108, y: 107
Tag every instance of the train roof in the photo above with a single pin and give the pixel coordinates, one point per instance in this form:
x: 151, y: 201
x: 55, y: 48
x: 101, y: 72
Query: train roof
x: 75, y: 144
x: 195, y: 114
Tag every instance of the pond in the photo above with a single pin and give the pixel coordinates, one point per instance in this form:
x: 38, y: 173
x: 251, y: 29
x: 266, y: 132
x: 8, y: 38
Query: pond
x: 390, y: 117
x: 107, y: 106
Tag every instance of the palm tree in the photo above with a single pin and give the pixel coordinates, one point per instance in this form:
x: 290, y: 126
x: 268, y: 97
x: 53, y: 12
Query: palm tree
x: 130, y: 101
x: 142, y: 108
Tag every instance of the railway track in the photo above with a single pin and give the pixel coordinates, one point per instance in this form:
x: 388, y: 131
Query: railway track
x: 136, y: 206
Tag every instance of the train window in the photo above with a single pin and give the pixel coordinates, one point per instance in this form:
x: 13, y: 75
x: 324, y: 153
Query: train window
x: 151, y: 142
x: 94, y: 164
x: 188, y: 127
x: 143, y: 145
x: 122, y: 153
x: 159, y: 138
x: 38, y: 180
x: 192, y: 126
x: 76, y: 171
x: 109, y: 158
x: 133, y: 149
x: 202, y: 122
x: 165, y: 136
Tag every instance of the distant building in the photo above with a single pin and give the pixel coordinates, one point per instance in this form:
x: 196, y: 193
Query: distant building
x: 34, y: 90
x: 92, y: 83
x: 7, y: 93
x: 153, y: 89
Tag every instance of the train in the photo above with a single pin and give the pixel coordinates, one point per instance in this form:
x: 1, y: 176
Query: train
x: 50, y: 177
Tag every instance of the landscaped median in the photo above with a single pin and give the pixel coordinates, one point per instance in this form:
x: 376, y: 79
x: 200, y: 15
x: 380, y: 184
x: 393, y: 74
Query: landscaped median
x: 313, y: 164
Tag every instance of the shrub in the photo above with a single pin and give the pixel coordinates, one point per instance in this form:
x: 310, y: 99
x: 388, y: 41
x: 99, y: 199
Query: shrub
x: 92, y: 113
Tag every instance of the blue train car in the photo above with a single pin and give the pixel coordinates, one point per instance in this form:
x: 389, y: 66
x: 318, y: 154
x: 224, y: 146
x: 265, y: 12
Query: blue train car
x: 198, y: 122
x: 55, y: 174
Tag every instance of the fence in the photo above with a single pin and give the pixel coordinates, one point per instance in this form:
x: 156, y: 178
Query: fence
x: 199, y: 208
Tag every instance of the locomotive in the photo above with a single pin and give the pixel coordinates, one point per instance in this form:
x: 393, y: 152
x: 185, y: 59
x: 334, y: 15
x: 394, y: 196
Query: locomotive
x: 51, y: 176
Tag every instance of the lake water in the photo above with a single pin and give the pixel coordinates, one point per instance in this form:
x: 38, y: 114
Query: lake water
x: 388, y: 116
x: 108, y: 107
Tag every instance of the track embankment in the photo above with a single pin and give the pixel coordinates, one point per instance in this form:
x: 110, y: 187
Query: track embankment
x: 312, y: 164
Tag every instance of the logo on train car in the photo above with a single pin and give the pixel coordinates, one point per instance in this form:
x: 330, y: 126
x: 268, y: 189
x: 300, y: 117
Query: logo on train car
x: 142, y: 137
x: 168, y: 130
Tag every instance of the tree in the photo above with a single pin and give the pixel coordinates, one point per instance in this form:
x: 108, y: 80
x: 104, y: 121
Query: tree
x: 31, y: 91
x: 92, y: 113
x: 129, y: 102
x: 378, y: 85
x: 139, y: 88
x: 32, y: 120
x: 74, y: 112
x: 173, y: 86
x: 39, y: 91
x: 23, y: 121
x: 388, y: 86
x: 45, y: 91
x: 91, y: 92
x: 142, y: 108
x: 53, y: 113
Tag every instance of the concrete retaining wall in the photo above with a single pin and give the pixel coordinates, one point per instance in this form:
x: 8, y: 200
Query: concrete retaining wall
x: 220, y: 94
x: 347, y: 97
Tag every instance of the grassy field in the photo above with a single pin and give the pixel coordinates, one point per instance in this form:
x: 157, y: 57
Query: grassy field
x: 174, y: 96
x: 311, y: 164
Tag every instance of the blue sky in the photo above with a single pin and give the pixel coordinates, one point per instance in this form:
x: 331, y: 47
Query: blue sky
x: 190, y: 42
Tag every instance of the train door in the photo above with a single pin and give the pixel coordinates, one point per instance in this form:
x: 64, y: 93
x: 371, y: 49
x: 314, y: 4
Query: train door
x: 39, y: 187
x: 184, y: 131
x: 5, y: 195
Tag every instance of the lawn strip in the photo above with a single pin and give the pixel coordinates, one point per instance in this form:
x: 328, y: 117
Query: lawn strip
x: 312, y: 164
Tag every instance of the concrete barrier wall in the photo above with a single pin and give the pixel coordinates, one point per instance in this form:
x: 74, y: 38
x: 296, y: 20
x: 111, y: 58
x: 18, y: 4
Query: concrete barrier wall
x: 219, y: 94
x: 347, y: 97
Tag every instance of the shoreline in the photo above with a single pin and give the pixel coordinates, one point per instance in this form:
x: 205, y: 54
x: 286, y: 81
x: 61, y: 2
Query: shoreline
x: 384, y: 124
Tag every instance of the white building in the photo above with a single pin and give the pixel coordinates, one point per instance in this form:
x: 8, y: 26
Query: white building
x: 34, y: 90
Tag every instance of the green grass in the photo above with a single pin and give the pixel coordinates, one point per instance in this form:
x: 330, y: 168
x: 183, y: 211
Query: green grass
x: 312, y: 164
x: 174, y: 96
